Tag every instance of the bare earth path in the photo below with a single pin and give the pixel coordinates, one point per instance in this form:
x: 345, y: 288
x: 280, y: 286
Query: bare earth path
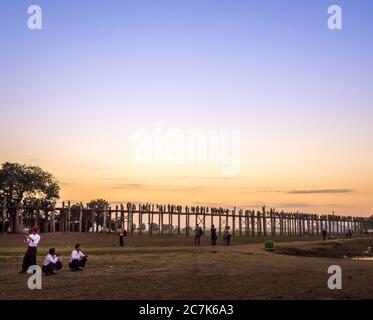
x: 174, y: 269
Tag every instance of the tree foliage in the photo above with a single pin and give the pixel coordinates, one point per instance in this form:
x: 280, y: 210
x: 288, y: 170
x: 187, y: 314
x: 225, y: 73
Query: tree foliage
x: 19, y: 182
x: 98, y: 204
x: 27, y: 186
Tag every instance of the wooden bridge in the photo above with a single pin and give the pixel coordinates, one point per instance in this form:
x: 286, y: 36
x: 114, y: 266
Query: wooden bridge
x: 175, y: 219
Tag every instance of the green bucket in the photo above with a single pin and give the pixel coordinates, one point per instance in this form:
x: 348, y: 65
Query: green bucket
x: 269, y: 245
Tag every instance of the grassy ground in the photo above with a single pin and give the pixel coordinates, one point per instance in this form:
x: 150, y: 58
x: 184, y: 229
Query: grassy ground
x: 172, y: 268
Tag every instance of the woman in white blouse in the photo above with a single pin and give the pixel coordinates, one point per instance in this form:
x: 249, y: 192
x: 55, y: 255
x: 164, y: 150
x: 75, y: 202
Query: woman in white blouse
x: 32, y: 240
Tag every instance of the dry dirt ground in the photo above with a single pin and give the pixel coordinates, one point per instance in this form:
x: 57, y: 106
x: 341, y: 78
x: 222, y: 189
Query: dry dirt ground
x: 172, y: 268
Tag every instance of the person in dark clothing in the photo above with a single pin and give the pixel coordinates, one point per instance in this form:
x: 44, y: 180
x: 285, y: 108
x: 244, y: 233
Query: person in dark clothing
x: 324, y: 233
x: 227, y: 236
x: 213, y: 236
x: 198, y: 235
x: 349, y: 234
x: 32, y: 241
x: 52, y: 262
x: 121, y: 233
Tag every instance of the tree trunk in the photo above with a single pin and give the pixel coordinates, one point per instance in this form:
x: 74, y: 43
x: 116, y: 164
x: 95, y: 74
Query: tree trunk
x: 80, y: 217
x: 16, y: 221
x: 53, y: 216
x: 4, y: 215
x: 104, y: 222
x: 20, y: 215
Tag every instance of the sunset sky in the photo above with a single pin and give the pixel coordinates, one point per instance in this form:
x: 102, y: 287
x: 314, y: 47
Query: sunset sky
x: 73, y: 94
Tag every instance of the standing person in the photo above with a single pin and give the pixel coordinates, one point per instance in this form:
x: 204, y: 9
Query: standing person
x: 213, y: 236
x: 227, y: 236
x: 121, y: 233
x: 32, y: 240
x: 78, y: 259
x: 324, y: 233
x: 350, y: 233
x: 198, y: 235
x: 52, y: 262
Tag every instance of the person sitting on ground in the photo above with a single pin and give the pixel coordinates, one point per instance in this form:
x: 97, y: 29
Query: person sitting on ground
x: 198, y: 235
x: 52, y: 262
x: 78, y: 259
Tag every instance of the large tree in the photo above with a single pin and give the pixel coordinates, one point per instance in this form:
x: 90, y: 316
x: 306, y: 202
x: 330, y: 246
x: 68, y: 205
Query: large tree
x: 21, y: 185
x: 98, y: 206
